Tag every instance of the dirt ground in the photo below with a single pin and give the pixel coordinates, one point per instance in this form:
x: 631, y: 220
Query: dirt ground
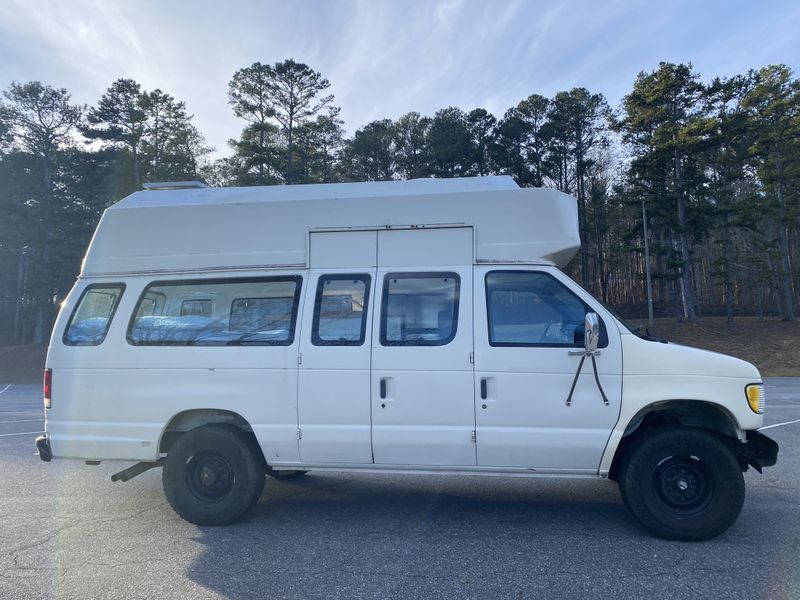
x: 772, y: 345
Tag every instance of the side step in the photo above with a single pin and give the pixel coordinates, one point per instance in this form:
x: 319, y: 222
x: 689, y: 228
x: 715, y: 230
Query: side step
x: 136, y: 469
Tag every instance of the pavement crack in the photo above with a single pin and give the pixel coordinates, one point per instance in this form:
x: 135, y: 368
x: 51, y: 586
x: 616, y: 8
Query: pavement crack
x: 14, y: 553
x: 696, y: 592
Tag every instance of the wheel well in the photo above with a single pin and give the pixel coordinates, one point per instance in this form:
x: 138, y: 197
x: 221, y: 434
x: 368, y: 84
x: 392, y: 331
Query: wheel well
x: 191, y: 419
x: 686, y: 413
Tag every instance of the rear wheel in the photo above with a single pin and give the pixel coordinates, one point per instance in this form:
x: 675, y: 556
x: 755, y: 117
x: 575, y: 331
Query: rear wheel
x: 213, y: 475
x: 683, y: 484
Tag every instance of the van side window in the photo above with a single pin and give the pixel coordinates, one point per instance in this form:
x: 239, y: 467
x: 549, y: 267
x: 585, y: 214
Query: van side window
x: 340, y: 310
x: 150, y: 304
x: 90, y: 320
x: 529, y: 308
x: 217, y: 312
x: 419, y: 309
x: 200, y: 308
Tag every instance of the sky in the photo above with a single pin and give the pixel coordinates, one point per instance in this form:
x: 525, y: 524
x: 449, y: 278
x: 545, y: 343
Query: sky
x: 386, y: 57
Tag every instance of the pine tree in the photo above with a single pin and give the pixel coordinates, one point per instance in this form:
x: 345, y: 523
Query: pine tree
x: 664, y: 124
x: 774, y: 105
x: 40, y: 120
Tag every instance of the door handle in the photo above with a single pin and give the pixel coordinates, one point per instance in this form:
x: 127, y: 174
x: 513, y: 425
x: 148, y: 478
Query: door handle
x: 383, y: 389
x: 484, y: 389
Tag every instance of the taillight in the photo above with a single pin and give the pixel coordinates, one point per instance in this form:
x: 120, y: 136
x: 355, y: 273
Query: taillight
x: 48, y: 388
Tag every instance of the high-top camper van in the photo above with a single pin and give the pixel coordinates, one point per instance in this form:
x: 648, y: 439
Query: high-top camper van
x: 419, y: 326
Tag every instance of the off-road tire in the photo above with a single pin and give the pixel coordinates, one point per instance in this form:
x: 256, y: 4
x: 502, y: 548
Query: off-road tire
x: 213, y: 475
x: 683, y: 483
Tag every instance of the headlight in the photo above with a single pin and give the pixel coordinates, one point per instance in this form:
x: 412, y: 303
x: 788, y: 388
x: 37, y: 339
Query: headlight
x: 755, y: 397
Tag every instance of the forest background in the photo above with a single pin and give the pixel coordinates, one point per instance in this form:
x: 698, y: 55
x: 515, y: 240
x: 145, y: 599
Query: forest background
x: 713, y: 163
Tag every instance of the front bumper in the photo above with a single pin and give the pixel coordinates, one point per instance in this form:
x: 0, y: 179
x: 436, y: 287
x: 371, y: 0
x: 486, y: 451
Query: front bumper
x: 759, y: 450
x: 43, y: 447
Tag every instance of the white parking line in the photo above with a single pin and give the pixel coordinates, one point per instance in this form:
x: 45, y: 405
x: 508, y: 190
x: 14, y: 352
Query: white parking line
x: 779, y: 424
x: 22, y: 421
x: 5, y: 388
x: 23, y: 433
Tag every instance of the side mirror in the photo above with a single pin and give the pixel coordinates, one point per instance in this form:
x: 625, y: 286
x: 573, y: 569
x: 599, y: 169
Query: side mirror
x: 591, y: 327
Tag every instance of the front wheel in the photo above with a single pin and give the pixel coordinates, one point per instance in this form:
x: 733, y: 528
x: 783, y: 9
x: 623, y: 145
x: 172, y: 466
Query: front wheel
x: 213, y: 475
x: 683, y: 484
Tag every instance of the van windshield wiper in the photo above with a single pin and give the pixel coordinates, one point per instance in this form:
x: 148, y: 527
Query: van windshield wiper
x: 637, y: 331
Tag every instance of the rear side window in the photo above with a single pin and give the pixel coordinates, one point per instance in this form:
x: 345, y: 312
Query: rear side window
x: 419, y: 309
x: 200, y: 308
x: 340, y: 310
x: 90, y: 320
x: 217, y: 312
x: 529, y: 308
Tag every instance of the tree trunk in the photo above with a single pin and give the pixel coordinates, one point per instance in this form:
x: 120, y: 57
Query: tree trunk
x: 43, y: 314
x: 18, y: 309
x: 783, y: 234
x: 291, y: 151
x: 136, y: 176
x: 584, y: 240
x: 760, y: 302
x: 686, y: 287
x: 727, y: 265
x: 263, y: 152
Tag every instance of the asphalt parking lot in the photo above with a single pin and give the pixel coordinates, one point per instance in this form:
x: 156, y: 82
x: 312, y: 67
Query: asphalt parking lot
x: 66, y: 531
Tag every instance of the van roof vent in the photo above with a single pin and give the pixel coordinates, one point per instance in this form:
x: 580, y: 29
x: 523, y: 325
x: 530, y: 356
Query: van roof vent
x: 174, y: 185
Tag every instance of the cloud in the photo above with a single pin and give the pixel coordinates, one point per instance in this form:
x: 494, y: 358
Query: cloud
x: 383, y: 57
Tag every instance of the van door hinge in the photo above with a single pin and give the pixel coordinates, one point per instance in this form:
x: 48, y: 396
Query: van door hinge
x: 300, y: 359
x: 474, y: 436
x: 472, y: 358
x: 299, y: 434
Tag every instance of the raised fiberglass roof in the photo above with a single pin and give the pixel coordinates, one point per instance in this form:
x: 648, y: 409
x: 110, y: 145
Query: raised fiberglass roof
x: 188, y: 230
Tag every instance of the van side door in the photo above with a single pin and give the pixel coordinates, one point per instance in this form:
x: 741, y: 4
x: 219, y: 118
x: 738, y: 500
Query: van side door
x: 333, y: 407
x: 528, y: 345
x: 422, y: 377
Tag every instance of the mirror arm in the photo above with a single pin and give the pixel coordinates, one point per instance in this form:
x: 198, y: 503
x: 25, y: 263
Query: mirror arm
x: 591, y: 326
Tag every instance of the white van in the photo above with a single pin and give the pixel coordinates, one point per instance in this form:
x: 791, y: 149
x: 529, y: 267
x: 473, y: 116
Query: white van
x: 420, y: 326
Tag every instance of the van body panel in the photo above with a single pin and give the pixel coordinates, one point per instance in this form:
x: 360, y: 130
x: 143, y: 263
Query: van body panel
x: 438, y: 247
x: 414, y: 402
x: 657, y: 372
x: 343, y: 249
x: 102, y: 389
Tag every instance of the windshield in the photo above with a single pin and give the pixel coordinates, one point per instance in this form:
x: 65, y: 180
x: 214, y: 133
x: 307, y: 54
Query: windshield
x: 634, y: 329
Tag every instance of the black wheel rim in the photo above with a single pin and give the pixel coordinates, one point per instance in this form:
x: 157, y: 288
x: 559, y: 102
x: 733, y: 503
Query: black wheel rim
x: 683, y: 484
x: 209, y: 476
